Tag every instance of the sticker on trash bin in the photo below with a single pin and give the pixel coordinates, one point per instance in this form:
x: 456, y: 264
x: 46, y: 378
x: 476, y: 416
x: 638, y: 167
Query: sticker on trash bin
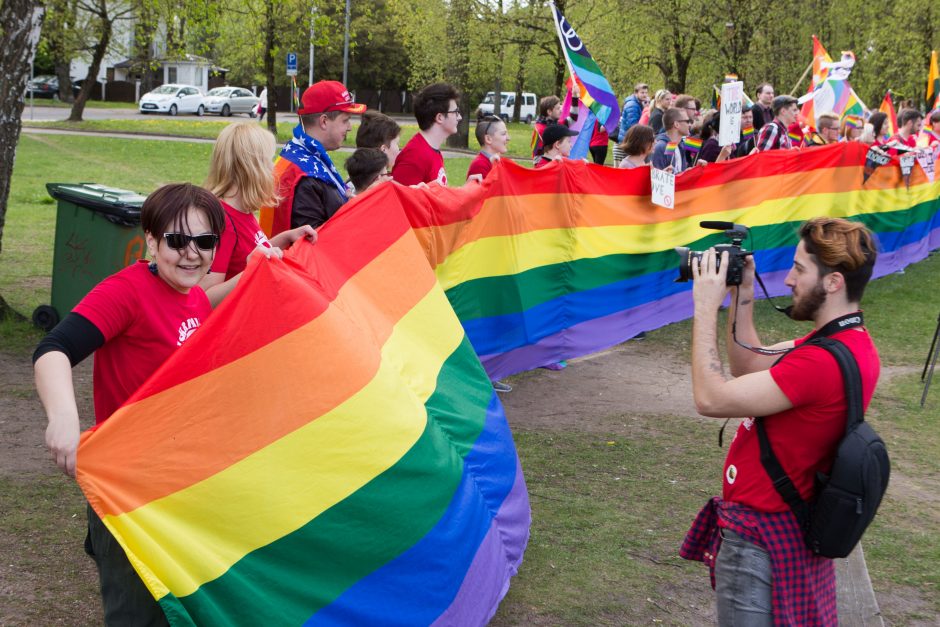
x: 134, y: 251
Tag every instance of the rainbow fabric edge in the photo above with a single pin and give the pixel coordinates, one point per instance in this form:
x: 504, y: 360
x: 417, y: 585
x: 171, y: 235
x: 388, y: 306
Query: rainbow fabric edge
x: 354, y: 467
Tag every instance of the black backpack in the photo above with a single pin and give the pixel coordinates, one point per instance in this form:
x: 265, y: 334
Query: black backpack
x: 845, y: 502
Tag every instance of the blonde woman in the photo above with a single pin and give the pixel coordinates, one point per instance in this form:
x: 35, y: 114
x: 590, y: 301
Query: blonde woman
x: 241, y: 176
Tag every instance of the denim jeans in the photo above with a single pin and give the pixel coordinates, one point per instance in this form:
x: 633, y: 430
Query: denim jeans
x: 743, y: 583
x: 125, y: 598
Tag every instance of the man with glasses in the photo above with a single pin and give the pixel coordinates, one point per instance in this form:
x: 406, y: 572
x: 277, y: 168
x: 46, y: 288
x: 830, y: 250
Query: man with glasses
x: 687, y: 103
x: 421, y: 161
x: 827, y: 130
x: 666, y: 150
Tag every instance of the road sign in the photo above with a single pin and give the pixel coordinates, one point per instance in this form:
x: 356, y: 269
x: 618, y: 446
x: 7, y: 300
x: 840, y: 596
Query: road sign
x: 292, y: 64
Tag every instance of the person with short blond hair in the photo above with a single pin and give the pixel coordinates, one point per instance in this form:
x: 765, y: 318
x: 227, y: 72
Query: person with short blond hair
x: 827, y: 130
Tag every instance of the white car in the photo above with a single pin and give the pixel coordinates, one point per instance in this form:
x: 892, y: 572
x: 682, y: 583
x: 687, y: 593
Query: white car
x: 507, y: 103
x: 173, y: 99
x: 228, y: 100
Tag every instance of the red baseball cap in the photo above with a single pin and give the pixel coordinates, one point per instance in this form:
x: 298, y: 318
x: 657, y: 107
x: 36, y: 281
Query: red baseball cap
x: 328, y: 96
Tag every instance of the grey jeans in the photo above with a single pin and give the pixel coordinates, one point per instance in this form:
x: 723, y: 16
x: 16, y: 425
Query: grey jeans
x: 743, y: 583
x: 125, y: 598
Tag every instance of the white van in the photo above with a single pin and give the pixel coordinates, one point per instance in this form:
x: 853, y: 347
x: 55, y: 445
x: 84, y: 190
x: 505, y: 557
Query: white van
x: 507, y: 105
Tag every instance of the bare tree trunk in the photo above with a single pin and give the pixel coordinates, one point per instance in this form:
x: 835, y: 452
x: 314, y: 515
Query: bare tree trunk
x: 270, y: 41
x: 20, y: 22
x: 458, y: 69
x: 101, y: 47
x: 520, y: 81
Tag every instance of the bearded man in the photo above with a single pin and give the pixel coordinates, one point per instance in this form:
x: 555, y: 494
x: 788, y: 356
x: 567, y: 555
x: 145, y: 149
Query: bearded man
x: 763, y: 571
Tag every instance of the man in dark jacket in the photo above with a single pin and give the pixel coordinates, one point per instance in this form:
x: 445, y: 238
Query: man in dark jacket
x: 310, y: 187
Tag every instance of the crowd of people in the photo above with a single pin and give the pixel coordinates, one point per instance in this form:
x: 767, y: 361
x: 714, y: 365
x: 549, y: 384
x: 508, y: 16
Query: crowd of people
x: 200, y: 239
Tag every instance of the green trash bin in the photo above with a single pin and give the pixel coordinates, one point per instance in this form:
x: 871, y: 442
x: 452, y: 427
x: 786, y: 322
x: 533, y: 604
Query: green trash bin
x: 97, y: 233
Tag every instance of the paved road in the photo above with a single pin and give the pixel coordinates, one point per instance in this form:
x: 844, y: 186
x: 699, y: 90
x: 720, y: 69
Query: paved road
x: 40, y: 113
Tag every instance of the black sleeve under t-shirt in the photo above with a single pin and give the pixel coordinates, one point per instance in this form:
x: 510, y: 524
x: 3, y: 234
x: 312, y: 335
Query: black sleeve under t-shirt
x: 315, y: 202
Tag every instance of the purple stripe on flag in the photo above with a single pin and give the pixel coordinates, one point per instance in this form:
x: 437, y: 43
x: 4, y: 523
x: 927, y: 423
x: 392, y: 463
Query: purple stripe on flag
x: 601, y: 333
x: 479, y: 580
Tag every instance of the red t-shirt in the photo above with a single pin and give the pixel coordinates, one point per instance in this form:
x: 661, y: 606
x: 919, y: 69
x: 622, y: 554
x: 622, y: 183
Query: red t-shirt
x: 481, y: 165
x: 143, y: 321
x: 911, y: 140
x: 599, y: 136
x: 419, y: 163
x: 241, y: 235
x: 804, y: 437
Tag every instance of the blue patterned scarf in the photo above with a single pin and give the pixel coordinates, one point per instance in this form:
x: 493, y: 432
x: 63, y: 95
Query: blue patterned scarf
x: 309, y: 155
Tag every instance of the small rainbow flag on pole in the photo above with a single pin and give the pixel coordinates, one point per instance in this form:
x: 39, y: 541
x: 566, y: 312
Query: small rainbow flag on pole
x: 692, y: 144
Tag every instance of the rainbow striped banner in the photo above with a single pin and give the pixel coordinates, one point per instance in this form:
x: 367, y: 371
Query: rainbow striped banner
x: 327, y: 449
x: 546, y: 265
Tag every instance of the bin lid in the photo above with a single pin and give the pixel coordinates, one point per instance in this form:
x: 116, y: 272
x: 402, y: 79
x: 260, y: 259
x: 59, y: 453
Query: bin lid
x: 110, y: 200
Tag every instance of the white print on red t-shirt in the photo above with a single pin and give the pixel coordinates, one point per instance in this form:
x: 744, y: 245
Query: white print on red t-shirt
x: 748, y: 423
x: 261, y: 239
x: 186, y: 329
x: 731, y: 474
x: 442, y: 176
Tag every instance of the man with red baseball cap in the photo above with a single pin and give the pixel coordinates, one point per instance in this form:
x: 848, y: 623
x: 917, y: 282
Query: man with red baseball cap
x: 309, y: 186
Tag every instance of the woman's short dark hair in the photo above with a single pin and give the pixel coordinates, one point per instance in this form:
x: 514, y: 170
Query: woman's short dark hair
x: 433, y: 99
x: 364, y: 166
x: 376, y: 130
x: 637, y: 140
x: 166, y: 209
x: 877, y: 121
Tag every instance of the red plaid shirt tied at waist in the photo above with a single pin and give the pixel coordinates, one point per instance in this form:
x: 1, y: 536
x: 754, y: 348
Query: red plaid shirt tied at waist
x: 804, y: 584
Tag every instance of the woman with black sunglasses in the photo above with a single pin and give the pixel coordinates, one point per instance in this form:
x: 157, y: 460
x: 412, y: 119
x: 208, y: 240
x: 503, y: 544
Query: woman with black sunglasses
x: 132, y: 321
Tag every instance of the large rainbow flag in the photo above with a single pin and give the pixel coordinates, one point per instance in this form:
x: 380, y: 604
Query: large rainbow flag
x: 550, y: 264
x: 326, y: 450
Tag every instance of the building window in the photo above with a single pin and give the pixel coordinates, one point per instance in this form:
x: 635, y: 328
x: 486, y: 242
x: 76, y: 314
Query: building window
x: 198, y: 72
x: 171, y: 74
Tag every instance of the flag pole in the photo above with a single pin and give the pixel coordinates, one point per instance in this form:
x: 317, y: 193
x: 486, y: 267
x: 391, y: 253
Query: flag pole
x: 561, y: 38
x: 802, y: 78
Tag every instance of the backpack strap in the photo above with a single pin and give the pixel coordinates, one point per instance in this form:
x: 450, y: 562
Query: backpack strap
x: 855, y: 415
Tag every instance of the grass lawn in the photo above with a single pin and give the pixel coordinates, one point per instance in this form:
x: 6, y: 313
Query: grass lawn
x: 610, y: 505
x: 209, y: 128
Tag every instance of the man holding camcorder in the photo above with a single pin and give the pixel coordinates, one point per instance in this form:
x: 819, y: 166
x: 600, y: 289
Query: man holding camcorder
x: 761, y: 566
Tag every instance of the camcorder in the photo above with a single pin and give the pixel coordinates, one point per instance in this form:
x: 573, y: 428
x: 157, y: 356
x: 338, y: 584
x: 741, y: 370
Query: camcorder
x: 736, y: 254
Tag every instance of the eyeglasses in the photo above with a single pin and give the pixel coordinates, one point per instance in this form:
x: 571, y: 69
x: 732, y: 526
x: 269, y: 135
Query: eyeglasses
x: 687, y: 121
x: 456, y: 111
x: 179, y: 241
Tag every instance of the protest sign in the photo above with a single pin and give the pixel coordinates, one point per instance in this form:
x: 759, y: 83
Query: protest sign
x: 874, y: 158
x: 907, y: 166
x: 731, y: 97
x: 927, y: 160
x: 664, y: 188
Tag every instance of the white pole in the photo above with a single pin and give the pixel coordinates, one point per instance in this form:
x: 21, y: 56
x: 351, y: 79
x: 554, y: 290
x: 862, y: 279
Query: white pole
x: 346, y: 48
x: 313, y: 17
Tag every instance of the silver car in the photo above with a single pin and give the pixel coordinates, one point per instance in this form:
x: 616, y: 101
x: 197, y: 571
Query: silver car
x: 228, y: 100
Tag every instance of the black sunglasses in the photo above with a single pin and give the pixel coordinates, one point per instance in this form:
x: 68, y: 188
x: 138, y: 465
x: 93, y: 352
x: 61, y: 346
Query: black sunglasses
x: 179, y: 241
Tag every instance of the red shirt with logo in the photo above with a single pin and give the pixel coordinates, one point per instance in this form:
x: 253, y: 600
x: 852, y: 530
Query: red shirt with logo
x: 143, y: 320
x: 911, y: 140
x: 419, y: 163
x: 804, y: 438
x: 241, y: 235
